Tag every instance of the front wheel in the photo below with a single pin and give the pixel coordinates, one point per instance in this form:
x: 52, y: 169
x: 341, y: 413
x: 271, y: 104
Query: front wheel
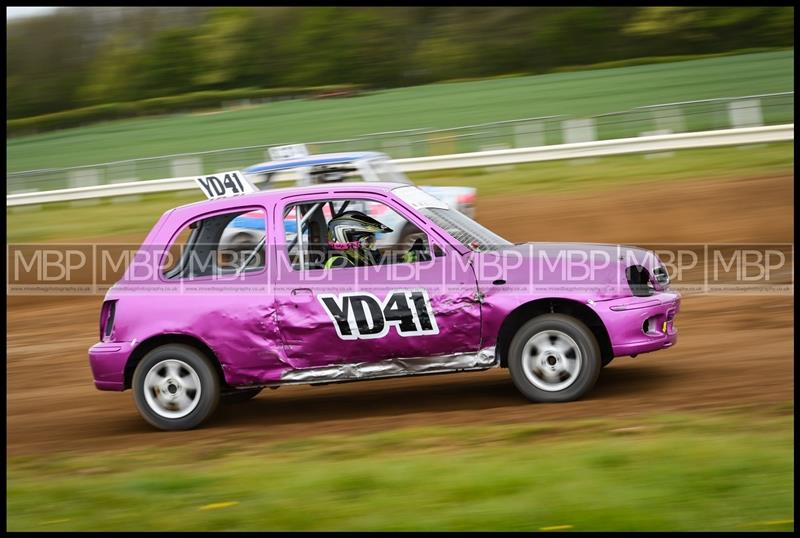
x: 175, y: 387
x: 554, y: 358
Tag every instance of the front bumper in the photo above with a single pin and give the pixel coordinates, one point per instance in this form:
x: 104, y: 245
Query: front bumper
x: 641, y: 324
x: 108, y: 360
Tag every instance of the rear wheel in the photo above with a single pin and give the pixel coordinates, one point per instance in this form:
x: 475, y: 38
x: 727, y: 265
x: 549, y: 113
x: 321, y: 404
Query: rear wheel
x: 554, y: 358
x: 175, y: 387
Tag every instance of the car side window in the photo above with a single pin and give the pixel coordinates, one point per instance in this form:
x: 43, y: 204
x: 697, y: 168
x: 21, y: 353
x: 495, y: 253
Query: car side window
x: 223, y: 244
x: 351, y: 232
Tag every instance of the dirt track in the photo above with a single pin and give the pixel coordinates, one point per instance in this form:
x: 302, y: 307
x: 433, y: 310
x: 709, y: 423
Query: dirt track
x: 732, y: 350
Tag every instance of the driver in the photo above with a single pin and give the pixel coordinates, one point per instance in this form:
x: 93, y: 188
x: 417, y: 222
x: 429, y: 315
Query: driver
x: 329, y: 174
x: 352, y: 236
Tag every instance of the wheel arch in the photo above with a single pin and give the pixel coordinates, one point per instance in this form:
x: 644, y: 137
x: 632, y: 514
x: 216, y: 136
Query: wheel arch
x: 159, y: 340
x: 527, y: 311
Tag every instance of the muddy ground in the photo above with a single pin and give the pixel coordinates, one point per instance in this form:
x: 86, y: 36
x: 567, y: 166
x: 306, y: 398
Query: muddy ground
x: 733, y: 349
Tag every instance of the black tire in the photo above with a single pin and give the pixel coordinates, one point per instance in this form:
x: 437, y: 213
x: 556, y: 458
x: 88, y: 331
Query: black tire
x: 240, y: 395
x: 195, y: 366
x: 590, y: 362
x: 607, y: 361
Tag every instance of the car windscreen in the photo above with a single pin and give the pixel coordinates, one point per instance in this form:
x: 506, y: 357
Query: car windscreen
x: 465, y: 230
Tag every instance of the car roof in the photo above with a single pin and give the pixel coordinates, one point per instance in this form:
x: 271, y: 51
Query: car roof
x: 288, y: 192
x: 312, y: 160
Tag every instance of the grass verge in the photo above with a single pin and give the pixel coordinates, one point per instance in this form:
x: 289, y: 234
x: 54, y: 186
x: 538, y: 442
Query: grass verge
x: 65, y: 222
x: 592, y: 173
x: 731, y: 470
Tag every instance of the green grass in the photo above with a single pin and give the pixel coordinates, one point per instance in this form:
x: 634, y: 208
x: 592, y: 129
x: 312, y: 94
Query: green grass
x: 62, y: 222
x: 573, y: 94
x: 593, y: 173
x: 726, y: 471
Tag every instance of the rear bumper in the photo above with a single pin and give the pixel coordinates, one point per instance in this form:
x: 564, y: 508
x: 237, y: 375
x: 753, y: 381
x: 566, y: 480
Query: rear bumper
x: 107, y: 360
x: 641, y: 324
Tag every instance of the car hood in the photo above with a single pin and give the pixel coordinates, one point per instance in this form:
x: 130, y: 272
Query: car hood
x: 594, y: 270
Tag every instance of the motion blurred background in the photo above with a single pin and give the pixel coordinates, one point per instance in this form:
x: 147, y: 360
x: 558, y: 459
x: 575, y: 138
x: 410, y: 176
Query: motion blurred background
x: 694, y: 438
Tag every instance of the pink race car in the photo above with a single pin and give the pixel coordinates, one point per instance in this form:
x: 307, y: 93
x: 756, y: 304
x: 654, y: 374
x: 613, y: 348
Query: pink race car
x: 192, y: 323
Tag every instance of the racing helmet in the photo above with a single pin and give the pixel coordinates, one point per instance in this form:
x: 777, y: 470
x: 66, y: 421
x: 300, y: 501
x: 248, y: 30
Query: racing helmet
x: 353, y: 230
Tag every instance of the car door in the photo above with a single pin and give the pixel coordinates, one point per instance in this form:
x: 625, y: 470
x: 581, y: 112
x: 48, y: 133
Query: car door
x: 373, y: 313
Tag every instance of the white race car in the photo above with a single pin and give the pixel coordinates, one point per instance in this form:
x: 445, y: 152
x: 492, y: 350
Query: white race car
x: 247, y: 230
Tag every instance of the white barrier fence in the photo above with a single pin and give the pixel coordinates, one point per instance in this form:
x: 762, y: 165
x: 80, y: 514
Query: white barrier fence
x: 643, y: 144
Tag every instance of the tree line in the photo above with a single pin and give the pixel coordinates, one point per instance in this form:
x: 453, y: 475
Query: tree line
x: 82, y: 57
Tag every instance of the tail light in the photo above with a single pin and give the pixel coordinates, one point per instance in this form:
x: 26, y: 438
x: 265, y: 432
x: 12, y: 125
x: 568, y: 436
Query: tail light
x: 378, y: 209
x: 466, y: 204
x: 467, y: 198
x: 107, y: 319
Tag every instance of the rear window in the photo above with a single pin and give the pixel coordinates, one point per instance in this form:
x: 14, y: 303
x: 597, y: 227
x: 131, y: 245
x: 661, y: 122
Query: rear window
x: 223, y: 244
